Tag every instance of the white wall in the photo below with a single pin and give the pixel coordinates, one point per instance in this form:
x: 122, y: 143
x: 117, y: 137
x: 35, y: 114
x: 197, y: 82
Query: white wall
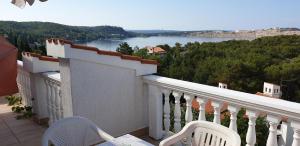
x: 112, y: 97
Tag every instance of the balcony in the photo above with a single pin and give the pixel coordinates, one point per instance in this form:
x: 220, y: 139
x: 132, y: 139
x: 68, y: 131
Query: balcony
x: 121, y: 95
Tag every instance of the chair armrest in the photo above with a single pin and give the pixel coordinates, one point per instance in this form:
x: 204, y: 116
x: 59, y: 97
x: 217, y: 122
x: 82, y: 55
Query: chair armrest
x: 185, y: 132
x: 104, y: 135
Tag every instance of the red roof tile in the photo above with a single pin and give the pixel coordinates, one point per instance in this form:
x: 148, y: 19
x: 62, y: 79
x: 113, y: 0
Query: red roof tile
x: 102, y: 52
x: 40, y: 57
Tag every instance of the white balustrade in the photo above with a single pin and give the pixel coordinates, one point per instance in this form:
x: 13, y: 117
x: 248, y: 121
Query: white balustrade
x: 296, y: 127
x: 54, y: 99
x: 202, y: 103
x: 273, y: 122
x: 188, y: 113
x: 254, y: 105
x: 251, y: 132
x: 217, y: 107
x: 177, y: 112
x: 23, y: 82
x: 166, y: 112
x: 233, y: 116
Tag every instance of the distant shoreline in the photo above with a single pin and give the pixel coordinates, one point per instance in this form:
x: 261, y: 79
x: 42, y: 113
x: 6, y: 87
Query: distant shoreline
x: 239, y: 34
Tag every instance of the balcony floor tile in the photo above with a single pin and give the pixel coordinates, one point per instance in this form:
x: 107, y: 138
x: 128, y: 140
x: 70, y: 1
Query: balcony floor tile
x: 15, y: 132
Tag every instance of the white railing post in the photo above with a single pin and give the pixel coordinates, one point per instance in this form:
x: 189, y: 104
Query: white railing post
x: 177, y: 112
x: 217, y: 106
x: 155, y: 112
x: 272, y: 138
x: 52, y: 101
x: 202, y: 103
x: 61, y: 103
x: 251, y: 133
x: 57, y: 103
x: 233, y: 117
x: 296, y: 128
x: 188, y: 112
x: 166, y: 93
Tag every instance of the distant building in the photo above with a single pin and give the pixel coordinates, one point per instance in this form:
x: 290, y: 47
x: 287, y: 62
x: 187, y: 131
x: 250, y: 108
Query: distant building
x: 222, y: 85
x: 155, y: 50
x: 271, y: 90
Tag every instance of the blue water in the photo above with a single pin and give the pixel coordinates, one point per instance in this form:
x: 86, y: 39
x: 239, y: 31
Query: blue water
x: 151, y: 41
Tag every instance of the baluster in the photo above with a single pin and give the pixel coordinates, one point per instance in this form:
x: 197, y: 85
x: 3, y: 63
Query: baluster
x: 251, y: 133
x: 177, y: 112
x: 188, y: 114
x: 26, y: 90
x: 296, y: 128
x: 202, y: 103
x: 273, y: 122
x: 52, y: 98
x: 233, y: 114
x: 217, y: 107
x: 49, y: 95
x: 57, y: 103
x: 166, y: 92
x: 61, y: 103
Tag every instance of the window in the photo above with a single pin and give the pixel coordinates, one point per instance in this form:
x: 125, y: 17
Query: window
x: 224, y: 86
x: 266, y: 89
x: 269, y: 90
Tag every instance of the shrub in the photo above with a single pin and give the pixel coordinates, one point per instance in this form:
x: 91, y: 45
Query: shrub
x: 14, y: 100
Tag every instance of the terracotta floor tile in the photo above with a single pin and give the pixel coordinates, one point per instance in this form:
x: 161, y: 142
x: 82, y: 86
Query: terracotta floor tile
x: 8, y: 140
x: 15, y: 132
x: 30, y: 136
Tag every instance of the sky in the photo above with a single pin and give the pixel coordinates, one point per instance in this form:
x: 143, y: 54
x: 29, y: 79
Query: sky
x: 161, y: 14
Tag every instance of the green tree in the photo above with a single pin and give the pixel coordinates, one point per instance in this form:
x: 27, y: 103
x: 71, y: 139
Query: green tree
x: 141, y: 53
x: 124, y: 48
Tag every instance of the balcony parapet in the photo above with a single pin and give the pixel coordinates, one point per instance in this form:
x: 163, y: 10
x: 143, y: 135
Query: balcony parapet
x: 275, y: 109
x: 35, y: 63
x: 67, y: 49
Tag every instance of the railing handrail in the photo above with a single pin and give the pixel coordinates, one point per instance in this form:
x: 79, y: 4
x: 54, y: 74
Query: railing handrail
x: 242, y: 99
x: 52, y: 76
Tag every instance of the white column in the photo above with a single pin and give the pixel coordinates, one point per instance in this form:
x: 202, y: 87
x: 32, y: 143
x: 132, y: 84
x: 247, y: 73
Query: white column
x: 155, y: 112
x: 251, y: 133
x: 217, y: 106
x: 166, y: 92
x: 296, y: 128
x: 273, y: 122
x: 202, y: 103
x: 177, y: 112
x: 233, y: 116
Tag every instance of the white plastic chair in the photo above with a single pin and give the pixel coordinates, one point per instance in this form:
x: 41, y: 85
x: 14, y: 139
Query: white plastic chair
x: 73, y: 131
x: 205, y: 134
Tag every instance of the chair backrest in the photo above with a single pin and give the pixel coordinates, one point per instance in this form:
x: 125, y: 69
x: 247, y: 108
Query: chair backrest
x: 73, y: 131
x: 205, y: 134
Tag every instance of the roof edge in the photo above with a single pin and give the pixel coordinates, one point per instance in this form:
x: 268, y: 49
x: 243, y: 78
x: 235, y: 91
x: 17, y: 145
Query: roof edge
x: 57, y: 41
